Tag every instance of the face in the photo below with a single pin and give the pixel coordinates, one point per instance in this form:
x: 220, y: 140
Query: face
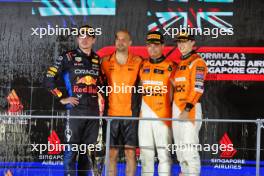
x: 185, y: 47
x: 155, y: 50
x: 122, y: 41
x: 85, y: 42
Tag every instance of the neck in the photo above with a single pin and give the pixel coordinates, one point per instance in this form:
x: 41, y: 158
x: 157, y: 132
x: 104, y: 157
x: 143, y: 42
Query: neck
x: 156, y: 60
x: 87, y: 51
x: 187, y: 52
x: 187, y: 55
x: 121, y: 57
x: 156, y: 57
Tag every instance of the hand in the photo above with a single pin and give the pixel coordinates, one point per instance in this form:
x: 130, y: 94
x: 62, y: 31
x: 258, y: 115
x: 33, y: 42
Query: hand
x: 184, y: 115
x: 70, y: 100
x: 8, y: 173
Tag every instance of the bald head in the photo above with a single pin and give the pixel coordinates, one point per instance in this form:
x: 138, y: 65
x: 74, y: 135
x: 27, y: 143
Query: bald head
x: 122, y: 40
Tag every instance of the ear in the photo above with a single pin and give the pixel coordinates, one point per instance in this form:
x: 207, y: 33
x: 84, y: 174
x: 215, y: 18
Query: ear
x: 163, y: 46
x: 193, y: 43
x: 94, y: 40
x: 130, y: 42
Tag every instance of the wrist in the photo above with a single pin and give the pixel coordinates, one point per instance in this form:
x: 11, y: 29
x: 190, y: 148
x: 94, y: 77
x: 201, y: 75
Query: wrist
x: 188, y: 107
x: 61, y: 100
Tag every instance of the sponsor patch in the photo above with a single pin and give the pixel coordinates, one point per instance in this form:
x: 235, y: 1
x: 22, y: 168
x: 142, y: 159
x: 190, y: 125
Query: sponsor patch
x: 60, y: 58
x: 200, y: 90
x: 183, y: 67
x: 51, y: 73
x: 199, y: 83
x: 78, y: 59
x: 53, y: 69
x: 200, y: 68
x: 170, y: 68
x: 180, y: 88
x: 151, y: 82
x: 95, y: 61
x: 199, y: 75
x: 146, y: 70
x: 180, y: 79
x: 158, y: 71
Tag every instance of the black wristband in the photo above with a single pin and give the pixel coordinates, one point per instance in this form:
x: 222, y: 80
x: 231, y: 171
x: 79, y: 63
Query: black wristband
x: 188, y: 107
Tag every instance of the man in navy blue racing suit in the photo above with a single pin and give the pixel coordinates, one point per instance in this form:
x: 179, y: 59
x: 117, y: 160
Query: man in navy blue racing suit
x: 80, y: 71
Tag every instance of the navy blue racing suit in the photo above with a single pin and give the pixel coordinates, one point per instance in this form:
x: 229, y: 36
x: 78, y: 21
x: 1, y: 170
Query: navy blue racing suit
x: 81, y: 75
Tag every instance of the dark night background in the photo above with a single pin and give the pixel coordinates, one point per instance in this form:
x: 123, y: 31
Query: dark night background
x: 25, y: 58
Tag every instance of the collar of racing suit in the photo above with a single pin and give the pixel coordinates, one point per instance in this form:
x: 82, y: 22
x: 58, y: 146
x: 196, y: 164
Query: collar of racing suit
x: 84, y: 54
x: 158, y: 60
x: 186, y: 56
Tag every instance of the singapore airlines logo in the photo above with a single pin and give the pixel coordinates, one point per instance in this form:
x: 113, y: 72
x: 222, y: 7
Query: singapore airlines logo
x: 74, y: 7
x: 192, y: 13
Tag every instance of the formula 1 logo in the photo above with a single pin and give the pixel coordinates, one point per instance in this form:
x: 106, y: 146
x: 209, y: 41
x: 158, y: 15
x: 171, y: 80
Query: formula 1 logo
x: 227, y: 153
x: 199, y: 11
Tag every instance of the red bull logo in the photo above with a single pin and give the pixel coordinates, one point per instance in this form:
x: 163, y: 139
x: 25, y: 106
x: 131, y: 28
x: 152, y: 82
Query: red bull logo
x: 87, y: 80
x: 87, y: 89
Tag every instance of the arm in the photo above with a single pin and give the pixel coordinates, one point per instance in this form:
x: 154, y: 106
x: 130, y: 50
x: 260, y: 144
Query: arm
x: 171, y: 81
x: 198, y: 75
x: 104, y: 83
x: 137, y: 97
x: 52, y: 75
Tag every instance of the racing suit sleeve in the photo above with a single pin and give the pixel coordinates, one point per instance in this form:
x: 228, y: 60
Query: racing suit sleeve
x: 101, y: 83
x: 198, y: 75
x: 137, y: 96
x: 103, y: 89
x: 53, y: 73
x: 171, y: 82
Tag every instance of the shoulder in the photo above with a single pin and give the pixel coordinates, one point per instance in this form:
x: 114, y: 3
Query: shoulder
x: 198, y: 61
x: 106, y: 58
x: 171, y: 65
x: 68, y: 55
x: 95, y: 55
x: 137, y: 59
x: 145, y: 62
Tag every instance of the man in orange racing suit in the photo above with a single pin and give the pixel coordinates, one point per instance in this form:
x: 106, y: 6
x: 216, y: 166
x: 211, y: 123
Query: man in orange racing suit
x: 188, y: 87
x: 155, y: 76
x: 121, y: 69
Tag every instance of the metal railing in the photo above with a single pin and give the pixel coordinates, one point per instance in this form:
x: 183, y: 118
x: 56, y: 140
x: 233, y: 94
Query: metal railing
x: 259, y: 124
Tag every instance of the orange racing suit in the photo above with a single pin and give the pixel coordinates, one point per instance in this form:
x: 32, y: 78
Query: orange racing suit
x: 189, y: 86
x: 156, y: 103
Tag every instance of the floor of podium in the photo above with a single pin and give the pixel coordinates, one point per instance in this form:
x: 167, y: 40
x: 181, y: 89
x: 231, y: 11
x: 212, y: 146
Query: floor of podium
x: 38, y: 169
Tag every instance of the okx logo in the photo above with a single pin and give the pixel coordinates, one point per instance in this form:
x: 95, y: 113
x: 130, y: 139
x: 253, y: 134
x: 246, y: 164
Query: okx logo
x: 229, y: 151
x: 54, y: 141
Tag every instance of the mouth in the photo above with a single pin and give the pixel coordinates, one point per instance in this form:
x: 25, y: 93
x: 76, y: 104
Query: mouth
x: 181, y: 48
